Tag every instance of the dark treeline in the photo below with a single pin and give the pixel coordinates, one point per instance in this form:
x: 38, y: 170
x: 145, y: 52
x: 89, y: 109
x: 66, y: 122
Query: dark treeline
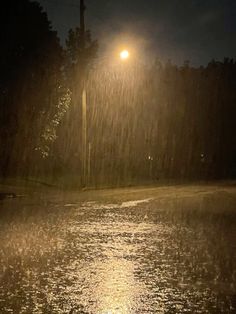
x: 164, y: 121
x: 31, y: 85
x: 144, y: 122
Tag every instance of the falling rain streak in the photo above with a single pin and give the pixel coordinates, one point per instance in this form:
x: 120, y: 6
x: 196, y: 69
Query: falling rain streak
x: 73, y: 119
x: 146, y: 124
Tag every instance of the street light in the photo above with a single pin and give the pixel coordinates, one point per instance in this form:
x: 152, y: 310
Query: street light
x: 86, y: 146
x: 124, y: 54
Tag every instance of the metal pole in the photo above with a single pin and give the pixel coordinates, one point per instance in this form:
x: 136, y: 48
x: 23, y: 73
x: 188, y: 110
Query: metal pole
x: 89, y: 163
x: 82, y: 19
x: 84, y: 138
x: 84, y: 101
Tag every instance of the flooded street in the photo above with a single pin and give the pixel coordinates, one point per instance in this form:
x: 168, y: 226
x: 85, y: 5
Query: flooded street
x: 154, y: 250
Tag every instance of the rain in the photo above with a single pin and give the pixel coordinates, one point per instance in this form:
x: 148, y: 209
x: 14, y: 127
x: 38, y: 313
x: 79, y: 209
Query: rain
x: 117, y: 165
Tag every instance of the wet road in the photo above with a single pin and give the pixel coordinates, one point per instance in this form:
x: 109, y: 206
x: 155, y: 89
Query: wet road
x: 159, y: 250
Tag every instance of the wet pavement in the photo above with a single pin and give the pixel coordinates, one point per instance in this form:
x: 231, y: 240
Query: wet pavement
x: 154, y: 250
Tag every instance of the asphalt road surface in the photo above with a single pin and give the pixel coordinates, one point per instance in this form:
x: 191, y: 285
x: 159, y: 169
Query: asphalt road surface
x: 137, y: 250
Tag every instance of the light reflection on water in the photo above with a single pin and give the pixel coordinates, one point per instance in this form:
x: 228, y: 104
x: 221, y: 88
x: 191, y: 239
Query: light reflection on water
x: 119, y: 259
x: 115, y: 293
x: 110, y: 277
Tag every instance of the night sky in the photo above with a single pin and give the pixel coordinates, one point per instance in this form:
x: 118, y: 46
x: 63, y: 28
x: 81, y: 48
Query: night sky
x: 195, y: 30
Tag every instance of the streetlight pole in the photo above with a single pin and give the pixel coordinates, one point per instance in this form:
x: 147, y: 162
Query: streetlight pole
x: 84, y: 138
x: 84, y: 100
x: 82, y: 21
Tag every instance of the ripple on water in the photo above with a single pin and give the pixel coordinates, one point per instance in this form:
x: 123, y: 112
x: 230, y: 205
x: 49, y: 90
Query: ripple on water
x: 114, y: 258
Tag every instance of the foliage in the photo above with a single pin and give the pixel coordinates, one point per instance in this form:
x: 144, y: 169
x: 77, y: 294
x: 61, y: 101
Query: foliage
x: 163, y: 121
x: 80, y: 54
x: 51, y: 123
x: 79, y: 61
x: 30, y: 63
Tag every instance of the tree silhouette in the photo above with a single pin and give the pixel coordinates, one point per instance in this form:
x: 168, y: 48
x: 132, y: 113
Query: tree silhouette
x: 30, y: 63
x: 80, y: 55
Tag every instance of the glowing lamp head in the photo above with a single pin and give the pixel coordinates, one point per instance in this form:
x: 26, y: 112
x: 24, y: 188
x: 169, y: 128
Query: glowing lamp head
x: 124, y: 55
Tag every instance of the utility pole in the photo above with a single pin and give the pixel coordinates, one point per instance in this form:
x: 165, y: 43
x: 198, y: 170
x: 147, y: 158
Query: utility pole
x: 83, y: 98
x: 82, y: 23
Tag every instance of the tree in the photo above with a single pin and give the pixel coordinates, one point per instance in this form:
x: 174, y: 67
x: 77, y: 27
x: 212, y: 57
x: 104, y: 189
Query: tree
x: 31, y: 82
x: 81, y: 51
